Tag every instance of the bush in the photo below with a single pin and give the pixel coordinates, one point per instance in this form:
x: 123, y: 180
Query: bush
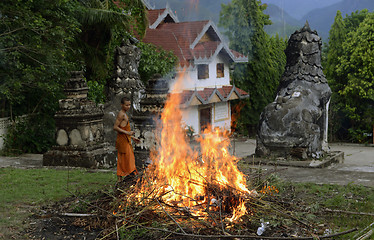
x: 30, y: 134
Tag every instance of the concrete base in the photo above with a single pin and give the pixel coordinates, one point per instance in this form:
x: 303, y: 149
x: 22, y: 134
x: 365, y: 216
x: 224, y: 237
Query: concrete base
x: 329, y: 159
x: 102, y: 157
x: 141, y: 158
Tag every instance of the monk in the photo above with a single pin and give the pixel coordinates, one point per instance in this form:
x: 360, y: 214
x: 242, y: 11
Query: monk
x: 126, y: 158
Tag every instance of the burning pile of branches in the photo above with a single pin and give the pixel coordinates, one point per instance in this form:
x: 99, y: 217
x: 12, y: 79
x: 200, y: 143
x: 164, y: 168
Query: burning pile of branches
x: 191, y: 192
x: 192, y: 187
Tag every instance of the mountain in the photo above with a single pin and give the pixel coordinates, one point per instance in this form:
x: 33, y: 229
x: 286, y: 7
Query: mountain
x: 299, y: 8
x: 319, y: 13
x: 188, y: 10
x: 322, y: 19
x: 282, y: 22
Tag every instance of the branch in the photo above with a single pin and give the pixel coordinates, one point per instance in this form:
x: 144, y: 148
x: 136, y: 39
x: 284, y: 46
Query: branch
x: 348, y: 212
x: 170, y: 215
x: 12, y: 31
x: 77, y: 215
x: 244, y: 236
x: 34, y: 59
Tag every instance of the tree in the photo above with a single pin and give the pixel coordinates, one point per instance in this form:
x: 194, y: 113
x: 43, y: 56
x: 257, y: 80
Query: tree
x: 155, y: 60
x: 337, y: 36
x: 333, y: 51
x: 348, y: 111
x: 105, y: 24
x: 357, y: 67
x: 40, y: 42
x: 245, y: 21
x: 35, y: 47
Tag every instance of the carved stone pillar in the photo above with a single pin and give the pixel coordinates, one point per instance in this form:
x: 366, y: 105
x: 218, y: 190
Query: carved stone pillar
x: 125, y: 83
x: 146, y: 118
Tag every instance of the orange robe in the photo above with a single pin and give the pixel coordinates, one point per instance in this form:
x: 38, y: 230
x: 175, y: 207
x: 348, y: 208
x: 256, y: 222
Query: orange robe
x: 126, y: 158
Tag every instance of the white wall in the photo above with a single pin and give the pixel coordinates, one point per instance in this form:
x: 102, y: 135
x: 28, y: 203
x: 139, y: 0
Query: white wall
x: 190, y: 81
x: 190, y: 117
x: 222, y: 115
x: 4, y: 122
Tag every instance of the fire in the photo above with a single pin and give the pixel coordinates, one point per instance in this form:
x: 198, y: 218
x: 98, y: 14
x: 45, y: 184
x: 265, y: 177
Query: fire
x: 190, y: 178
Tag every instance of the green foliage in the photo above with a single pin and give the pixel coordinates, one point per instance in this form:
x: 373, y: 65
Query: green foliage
x: 41, y: 41
x: 350, y: 72
x: 41, y: 185
x: 104, y: 26
x: 133, y: 234
x: 96, y: 92
x: 245, y: 21
x: 35, y: 44
x: 155, y: 60
x: 30, y: 134
x: 35, y: 48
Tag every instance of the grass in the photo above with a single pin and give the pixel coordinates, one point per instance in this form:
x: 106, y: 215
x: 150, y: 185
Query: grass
x: 22, y: 190
x: 317, y: 198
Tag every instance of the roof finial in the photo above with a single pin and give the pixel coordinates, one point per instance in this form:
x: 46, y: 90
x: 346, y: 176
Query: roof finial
x: 306, y: 27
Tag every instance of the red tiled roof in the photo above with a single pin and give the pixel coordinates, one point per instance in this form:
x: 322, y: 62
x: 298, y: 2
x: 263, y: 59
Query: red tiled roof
x: 187, y: 30
x: 169, y: 41
x: 237, y: 54
x: 185, y: 96
x: 154, y: 14
x: 178, y: 37
x: 205, y: 49
x: 241, y: 92
x: 204, y: 95
x: 226, y: 90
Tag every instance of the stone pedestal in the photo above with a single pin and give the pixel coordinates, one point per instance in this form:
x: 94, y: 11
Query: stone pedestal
x: 79, y: 130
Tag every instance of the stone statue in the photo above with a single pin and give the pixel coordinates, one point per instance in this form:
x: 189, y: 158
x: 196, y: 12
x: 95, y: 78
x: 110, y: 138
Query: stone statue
x: 125, y: 83
x: 295, y: 124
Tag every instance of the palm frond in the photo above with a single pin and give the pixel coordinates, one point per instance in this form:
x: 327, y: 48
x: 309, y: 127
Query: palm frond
x: 94, y: 16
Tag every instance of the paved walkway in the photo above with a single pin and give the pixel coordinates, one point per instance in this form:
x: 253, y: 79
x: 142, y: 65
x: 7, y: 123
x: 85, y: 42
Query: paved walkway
x: 357, y: 168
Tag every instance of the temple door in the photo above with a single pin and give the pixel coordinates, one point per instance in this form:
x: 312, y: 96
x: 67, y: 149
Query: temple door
x: 205, y: 118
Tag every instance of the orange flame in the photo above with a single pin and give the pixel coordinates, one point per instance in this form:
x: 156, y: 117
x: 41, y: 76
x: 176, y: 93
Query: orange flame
x: 236, y: 114
x: 181, y: 175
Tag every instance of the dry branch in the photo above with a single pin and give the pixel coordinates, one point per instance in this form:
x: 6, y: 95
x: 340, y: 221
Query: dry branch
x: 78, y: 215
x: 245, y: 236
x: 348, y: 212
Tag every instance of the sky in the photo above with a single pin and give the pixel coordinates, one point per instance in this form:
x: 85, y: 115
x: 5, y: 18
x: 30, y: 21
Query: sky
x: 298, y: 8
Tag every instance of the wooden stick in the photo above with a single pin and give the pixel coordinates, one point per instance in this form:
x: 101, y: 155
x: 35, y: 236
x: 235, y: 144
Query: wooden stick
x: 117, y: 231
x: 366, y: 235
x: 170, y: 216
x: 246, y: 236
x: 363, y: 230
x: 349, y: 212
x: 78, y: 215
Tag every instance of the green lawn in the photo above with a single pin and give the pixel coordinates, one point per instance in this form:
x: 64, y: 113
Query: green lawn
x: 351, y: 206
x: 22, y: 190
x: 25, y: 191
